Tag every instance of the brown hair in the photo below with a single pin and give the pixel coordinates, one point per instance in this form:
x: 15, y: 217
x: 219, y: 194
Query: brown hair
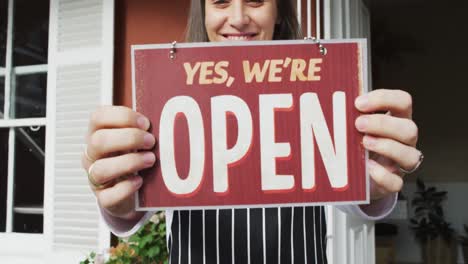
x: 286, y: 28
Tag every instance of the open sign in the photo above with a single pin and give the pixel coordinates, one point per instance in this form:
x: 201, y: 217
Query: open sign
x: 256, y: 124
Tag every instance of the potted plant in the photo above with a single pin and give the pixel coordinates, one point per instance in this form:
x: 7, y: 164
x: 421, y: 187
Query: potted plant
x: 147, y: 246
x: 432, y: 231
x: 463, y: 239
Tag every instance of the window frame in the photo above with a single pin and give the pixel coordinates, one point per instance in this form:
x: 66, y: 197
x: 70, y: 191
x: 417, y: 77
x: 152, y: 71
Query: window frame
x: 10, y: 73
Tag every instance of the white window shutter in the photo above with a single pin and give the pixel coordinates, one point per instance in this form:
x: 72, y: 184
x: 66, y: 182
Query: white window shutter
x: 81, y: 37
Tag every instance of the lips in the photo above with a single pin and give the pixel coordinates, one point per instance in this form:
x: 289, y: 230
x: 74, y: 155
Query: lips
x: 239, y: 37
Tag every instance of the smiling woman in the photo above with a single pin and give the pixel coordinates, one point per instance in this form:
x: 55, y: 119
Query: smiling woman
x: 287, y: 234
x: 234, y: 20
x: 265, y: 19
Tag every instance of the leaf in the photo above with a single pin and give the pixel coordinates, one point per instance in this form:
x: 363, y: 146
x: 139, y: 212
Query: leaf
x: 149, y: 253
x: 440, y: 194
x: 145, y: 240
x: 431, y: 189
x: 417, y: 202
x: 134, y: 238
x: 434, y: 217
x: 157, y: 250
x: 419, y: 209
x: 439, y: 211
x: 420, y: 184
x: 146, y: 246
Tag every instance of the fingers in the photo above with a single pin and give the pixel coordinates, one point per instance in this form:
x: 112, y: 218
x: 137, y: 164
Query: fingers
x: 117, y: 117
x: 119, y: 198
x: 405, y: 156
x: 104, y: 142
x: 111, y: 169
x: 392, y: 137
x: 398, y: 102
x: 115, y: 132
x: 386, y: 126
x: 386, y: 182
x: 105, y: 126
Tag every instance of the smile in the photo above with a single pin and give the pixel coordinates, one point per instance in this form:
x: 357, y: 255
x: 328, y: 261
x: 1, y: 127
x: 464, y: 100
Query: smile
x: 244, y: 36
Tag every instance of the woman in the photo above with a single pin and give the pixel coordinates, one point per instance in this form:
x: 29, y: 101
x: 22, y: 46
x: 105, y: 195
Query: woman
x: 115, y: 132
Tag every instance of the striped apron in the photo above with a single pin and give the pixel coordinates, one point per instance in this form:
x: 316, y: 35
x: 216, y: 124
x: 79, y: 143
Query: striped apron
x: 261, y: 235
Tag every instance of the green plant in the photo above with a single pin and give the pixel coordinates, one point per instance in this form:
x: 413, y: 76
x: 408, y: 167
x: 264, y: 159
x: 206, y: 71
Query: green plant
x: 146, y: 246
x: 89, y: 259
x: 428, y: 222
x: 463, y: 239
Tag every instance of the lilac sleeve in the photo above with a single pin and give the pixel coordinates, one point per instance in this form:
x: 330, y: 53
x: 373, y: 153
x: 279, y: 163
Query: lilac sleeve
x: 376, y: 210
x: 121, y: 227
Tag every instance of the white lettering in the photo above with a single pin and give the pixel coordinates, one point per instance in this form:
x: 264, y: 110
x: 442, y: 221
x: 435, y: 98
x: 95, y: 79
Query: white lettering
x: 188, y: 107
x: 222, y: 156
x: 269, y: 149
x: 313, y: 123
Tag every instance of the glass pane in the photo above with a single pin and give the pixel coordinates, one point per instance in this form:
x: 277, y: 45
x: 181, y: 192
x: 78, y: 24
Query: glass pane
x: 29, y: 177
x: 28, y: 223
x: 2, y: 96
x: 31, y: 26
x: 3, y: 30
x: 29, y: 96
x: 3, y: 176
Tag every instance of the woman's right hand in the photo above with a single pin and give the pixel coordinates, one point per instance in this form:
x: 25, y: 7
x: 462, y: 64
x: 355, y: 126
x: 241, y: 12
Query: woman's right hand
x: 118, y: 146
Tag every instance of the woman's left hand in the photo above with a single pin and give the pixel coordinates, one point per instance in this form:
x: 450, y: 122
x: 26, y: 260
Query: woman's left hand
x: 390, y: 136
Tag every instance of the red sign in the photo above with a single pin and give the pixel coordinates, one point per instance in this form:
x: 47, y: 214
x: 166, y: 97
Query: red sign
x: 256, y: 124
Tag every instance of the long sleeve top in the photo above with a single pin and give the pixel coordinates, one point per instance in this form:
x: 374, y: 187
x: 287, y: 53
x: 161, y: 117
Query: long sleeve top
x: 256, y: 235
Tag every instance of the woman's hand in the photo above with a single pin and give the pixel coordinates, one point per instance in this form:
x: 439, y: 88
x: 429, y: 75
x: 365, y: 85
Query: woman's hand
x: 111, y: 159
x: 390, y: 136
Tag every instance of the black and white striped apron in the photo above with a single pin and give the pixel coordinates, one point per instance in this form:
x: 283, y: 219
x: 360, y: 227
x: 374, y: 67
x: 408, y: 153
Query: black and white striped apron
x: 249, y: 236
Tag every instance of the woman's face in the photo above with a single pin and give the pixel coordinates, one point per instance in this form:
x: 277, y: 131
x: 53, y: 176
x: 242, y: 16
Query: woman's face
x: 240, y: 19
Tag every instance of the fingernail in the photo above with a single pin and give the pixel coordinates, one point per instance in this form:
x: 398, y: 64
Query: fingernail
x: 362, y: 102
x: 143, y: 123
x: 149, y: 158
x: 361, y: 123
x: 371, y: 163
x: 369, y: 142
x: 137, y: 181
x: 148, y: 140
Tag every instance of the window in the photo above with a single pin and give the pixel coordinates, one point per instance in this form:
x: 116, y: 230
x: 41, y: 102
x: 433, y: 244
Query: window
x: 24, y: 28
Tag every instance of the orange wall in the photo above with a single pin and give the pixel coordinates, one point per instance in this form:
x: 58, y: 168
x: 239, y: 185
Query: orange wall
x: 143, y: 22
x: 149, y: 22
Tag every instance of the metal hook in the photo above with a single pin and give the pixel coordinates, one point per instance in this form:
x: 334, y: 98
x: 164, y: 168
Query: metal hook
x: 322, y: 48
x: 172, y: 52
x: 35, y: 128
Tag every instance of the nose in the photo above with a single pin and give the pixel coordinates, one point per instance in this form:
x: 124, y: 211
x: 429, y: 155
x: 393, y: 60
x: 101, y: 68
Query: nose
x: 238, y: 17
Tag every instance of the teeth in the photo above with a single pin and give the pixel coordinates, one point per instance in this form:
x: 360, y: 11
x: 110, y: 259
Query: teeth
x: 237, y: 37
